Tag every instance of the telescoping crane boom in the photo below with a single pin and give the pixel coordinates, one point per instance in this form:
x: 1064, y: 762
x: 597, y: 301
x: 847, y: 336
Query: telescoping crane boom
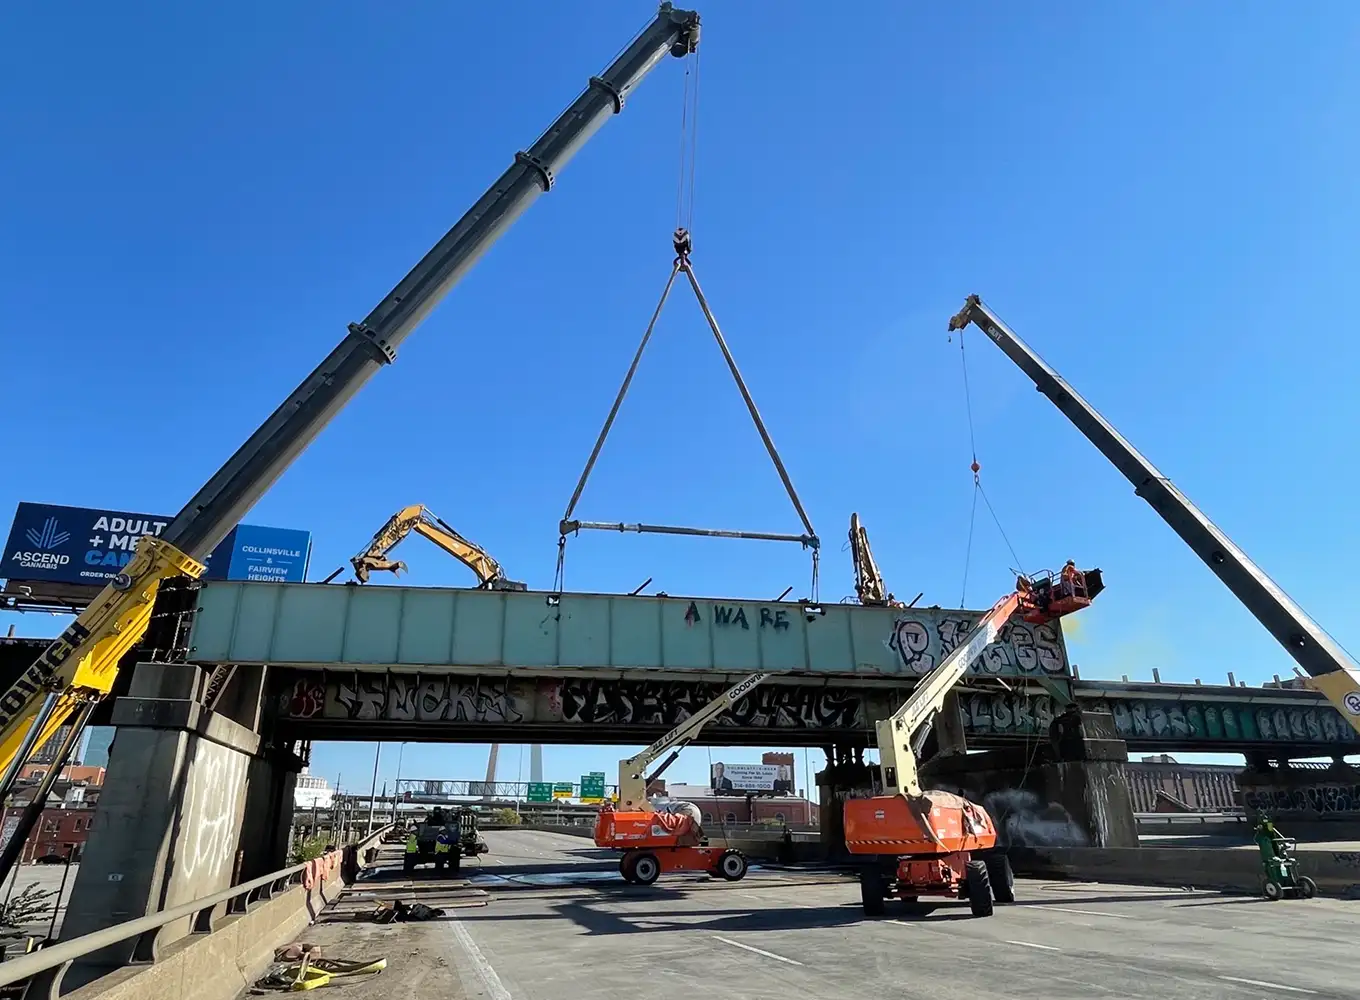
x: 654, y: 841
x: 1331, y: 670
x: 417, y: 518
x: 80, y: 666
x: 924, y: 842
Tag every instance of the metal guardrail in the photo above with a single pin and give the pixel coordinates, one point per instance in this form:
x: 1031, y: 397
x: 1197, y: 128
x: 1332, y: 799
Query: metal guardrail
x: 238, y: 898
x: 1188, y: 819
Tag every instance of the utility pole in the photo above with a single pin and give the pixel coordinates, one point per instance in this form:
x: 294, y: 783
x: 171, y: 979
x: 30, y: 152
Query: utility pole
x: 396, y: 789
x: 373, y: 792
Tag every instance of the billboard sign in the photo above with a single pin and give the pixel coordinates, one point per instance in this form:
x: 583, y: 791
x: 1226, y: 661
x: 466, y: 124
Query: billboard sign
x: 50, y: 543
x: 737, y: 778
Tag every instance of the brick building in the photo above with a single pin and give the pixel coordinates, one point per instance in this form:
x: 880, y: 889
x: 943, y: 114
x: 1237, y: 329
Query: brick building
x: 60, y: 830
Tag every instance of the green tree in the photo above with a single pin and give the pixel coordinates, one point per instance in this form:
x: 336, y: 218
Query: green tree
x: 506, y: 817
x: 309, y: 850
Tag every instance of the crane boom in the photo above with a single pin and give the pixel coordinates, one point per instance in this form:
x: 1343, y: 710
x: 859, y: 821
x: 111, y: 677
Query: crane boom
x: 1331, y: 670
x: 82, y: 663
x: 632, y: 780
x: 896, y: 735
x: 424, y: 522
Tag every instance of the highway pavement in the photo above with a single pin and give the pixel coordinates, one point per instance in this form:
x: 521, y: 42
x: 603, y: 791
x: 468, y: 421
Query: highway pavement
x: 546, y: 917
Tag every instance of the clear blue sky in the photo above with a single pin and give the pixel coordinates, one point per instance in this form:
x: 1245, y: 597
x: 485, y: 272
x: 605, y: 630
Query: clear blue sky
x: 1160, y: 198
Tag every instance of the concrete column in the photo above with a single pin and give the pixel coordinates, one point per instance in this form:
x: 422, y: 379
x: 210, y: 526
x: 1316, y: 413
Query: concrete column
x: 836, y: 783
x: 950, y: 736
x: 1071, y: 792
x: 268, y: 814
x: 166, y: 828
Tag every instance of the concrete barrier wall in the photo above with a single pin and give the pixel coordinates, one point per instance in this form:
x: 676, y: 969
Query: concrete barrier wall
x: 225, y: 963
x: 1337, y: 873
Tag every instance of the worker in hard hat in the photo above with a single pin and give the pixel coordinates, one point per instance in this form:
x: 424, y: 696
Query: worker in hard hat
x: 412, y: 853
x: 1071, y: 579
x: 443, y: 849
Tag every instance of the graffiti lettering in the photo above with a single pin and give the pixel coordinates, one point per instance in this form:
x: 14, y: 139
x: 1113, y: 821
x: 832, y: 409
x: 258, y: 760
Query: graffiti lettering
x: 1007, y: 713
x: 667, y: 703
x: 210, y: 819
x: 1171, y: 720
x: 921, y: 641
x: 406, y: 698
x: 723, y: 615
x: 1312, y: 800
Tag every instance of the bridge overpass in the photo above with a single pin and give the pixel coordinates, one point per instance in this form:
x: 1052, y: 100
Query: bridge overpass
x: 401, y: 663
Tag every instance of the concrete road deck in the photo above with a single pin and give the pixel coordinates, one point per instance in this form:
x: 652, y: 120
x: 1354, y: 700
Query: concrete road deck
x: 546, y: 917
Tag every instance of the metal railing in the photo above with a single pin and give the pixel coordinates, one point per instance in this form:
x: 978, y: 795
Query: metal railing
x: 1188, y: 819
x: 146, y: 929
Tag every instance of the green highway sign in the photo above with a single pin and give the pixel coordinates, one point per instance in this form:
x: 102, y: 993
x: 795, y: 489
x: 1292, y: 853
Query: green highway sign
x: 592, y: 787
x: 540, y: 791
x: 563, y: 790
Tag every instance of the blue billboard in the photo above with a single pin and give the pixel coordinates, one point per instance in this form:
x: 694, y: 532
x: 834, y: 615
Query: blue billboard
x: 55, y: 544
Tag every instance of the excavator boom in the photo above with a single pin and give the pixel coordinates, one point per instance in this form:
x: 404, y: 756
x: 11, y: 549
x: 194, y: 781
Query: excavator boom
x: 1331, y: 670
x: 82, y: 663
x: 374, y: 558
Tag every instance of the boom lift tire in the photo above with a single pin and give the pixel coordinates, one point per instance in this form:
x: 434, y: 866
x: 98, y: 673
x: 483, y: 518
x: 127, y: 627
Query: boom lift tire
x: 732, y: 866
x: 646, y: 868
x: 979, y: 888
x: 1002, y: 877
x: 871, y: 893
x: 626, y: 867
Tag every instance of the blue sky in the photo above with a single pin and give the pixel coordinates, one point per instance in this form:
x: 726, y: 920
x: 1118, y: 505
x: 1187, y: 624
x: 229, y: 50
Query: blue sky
x: 1160, y: 199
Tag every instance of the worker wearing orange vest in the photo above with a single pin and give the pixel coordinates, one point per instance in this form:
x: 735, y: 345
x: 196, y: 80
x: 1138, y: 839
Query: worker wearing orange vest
x: 1070, y: 577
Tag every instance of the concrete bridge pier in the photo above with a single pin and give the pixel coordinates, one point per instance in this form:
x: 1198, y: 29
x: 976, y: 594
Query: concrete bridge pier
x: 187, y: 787
x: 1068, y: 792
x: 845, y: 774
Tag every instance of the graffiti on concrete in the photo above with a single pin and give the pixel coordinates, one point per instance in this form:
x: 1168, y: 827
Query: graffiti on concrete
x: 1153, y: 718
x: 574, y: 701
x: 212, y: 804
x: 1007, y: 714
x: 1321, y: 799
x: 921, y: 639
x: 667, y: 703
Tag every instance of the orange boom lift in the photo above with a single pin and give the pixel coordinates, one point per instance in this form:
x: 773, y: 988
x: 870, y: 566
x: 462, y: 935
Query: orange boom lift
x: 655, y: 841
x: 922, y: 843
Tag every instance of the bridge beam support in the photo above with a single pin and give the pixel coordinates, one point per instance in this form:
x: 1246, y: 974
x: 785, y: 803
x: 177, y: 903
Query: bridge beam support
x: 1068, y: 791
x: 186, y: 788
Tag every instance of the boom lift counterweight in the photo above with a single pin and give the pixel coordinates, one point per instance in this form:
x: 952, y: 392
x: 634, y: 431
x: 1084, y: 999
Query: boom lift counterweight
x: 652, y: 841
x: 1331, y: 670
x: 81, y: 665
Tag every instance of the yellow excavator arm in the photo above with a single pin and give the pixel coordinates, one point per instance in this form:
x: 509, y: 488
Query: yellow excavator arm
x: 417, y: 518
x: 869, y: 585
